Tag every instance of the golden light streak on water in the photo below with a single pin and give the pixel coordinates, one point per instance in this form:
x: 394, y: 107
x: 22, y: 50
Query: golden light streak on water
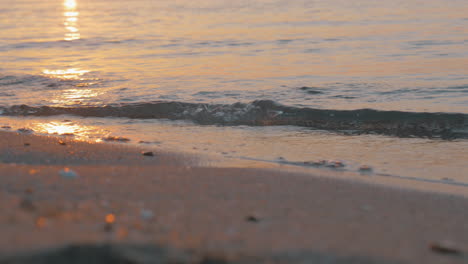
x: 74, y: 97
x: 71, y: 20
x: 58, y: 128
x: 71, y: 14
x: 72, y: 29
x: 66, y: 74
x: 76, y: 94
x: 78, y: 131
x: 70, y: 4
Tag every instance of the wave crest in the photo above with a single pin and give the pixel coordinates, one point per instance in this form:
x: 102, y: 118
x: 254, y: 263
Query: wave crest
x: 270, y: 113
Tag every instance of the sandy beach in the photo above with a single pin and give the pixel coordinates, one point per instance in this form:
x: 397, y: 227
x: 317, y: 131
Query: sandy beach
x: 78, y: 202
x: 248, y: 132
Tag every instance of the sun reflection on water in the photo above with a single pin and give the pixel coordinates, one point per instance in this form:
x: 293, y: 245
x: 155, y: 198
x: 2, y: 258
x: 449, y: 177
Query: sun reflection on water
x: 70, y: 4
x: 80, y: 94
x: 65, y: 128
x: 75, y: 96
x: 71, y: 20
x: 58, y: 128
x: 67, y: 74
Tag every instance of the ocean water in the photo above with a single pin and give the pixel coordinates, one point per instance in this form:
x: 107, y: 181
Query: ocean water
x: 359, y: 83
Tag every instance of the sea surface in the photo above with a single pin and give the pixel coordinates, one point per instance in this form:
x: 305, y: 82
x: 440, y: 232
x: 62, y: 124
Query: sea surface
x: 374, y: 87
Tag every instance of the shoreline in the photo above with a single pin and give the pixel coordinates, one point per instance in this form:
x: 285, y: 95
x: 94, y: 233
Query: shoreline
x: 130, y: 152
x: 167, y: 199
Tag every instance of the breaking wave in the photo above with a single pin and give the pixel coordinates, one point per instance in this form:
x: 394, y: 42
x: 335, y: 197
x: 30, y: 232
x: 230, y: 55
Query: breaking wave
x: 270, y: 113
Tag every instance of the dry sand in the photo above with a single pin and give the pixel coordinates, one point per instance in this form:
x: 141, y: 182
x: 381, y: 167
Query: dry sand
x: 164, y: 209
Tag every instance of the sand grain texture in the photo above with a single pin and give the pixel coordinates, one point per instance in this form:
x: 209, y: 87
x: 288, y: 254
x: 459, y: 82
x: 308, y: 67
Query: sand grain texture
x: 166, y: 210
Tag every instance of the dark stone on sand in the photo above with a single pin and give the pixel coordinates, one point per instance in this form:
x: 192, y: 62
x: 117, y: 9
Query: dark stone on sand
x: 27, y: 205
x: 149, y: 154
x: 116, y: 139
x: 27, y: 144
x: 365, y: 168
x: 252, y: 219
x: 108, y: 227
x: 445, y: 248
x: 62, y: 143
x: 335, y: 164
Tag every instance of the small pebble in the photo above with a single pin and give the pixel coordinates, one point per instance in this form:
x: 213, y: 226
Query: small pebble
x: 27, y: 144
x: 110, y: 220
x: 27, y: 205
x: 335, y: 164
x: 116, y: 139
x: 252, y: 219
x: 445, y: 247
x: 62, y: 143
x: 316, y: 163
x: 365, y: 168
x: 146, y: 214
x: 149, y: 154
x: 68, y: 173
x: 108, y: 227
x: 366, y: 208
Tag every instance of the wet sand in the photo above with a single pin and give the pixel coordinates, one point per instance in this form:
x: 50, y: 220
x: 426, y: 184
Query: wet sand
x: 64, y: 201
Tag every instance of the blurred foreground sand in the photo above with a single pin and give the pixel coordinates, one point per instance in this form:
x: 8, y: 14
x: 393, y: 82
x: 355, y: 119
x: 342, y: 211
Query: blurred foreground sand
x: 123, y: 202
